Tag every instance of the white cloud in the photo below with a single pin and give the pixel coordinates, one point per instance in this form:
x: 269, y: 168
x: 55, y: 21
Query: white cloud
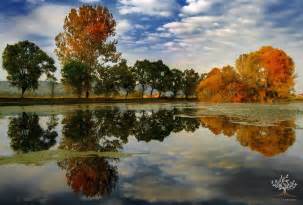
x: 45, y: 21
x: 189, y: 24
x: 123, y: 26
x: 205, y: 41
x: 34, y: 1
x: 196, y: 6
x: 89, y: 1
x: 148, y: 7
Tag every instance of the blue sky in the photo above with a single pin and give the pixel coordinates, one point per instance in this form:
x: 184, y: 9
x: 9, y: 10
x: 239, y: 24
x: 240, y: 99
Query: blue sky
x: 197, y: 34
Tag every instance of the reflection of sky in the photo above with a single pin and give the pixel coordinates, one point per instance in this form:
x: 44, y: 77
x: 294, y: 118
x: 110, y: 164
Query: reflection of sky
x: 185, y: 168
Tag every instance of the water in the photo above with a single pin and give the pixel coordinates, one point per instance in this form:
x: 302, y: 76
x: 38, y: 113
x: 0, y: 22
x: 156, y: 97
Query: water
x: 181, y: 153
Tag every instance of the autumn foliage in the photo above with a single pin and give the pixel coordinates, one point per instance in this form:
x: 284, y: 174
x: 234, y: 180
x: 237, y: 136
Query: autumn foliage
x: 267, y: 140
x: 261, y: 76
x: 86, y: 39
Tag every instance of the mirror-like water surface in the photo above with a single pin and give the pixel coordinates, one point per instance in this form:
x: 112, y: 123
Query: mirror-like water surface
x: 185, y: 153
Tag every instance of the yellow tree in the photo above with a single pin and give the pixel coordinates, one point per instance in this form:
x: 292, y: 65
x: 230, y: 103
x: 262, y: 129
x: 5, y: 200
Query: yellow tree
x: 280, y: 70
x: 222, y: 85
x: 86, y: 39
x: 268, y: 73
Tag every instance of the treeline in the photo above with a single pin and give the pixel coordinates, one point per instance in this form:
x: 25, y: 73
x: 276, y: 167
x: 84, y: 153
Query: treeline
x: 91, y: 63
x: 265, y: 75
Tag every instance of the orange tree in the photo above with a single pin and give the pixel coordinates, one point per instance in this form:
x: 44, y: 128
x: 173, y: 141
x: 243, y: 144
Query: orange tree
x: 86, y: 39
x: 261, y: 76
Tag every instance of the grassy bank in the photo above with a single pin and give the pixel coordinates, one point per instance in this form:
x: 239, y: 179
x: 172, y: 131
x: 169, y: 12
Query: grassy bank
x: 5, y: 101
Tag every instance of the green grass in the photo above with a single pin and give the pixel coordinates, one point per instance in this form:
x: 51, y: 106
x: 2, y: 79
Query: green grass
x: 42, y: 157
x: 69, y: 100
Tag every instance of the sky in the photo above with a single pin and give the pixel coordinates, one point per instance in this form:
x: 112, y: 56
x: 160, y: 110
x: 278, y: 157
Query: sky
x: 198, y: 34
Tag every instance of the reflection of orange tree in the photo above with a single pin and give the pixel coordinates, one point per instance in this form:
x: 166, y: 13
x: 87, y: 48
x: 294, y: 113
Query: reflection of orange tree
x: 92, y: 176
x: 269, y: 140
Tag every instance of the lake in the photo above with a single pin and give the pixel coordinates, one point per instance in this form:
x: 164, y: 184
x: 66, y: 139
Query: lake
x: 151, y: 153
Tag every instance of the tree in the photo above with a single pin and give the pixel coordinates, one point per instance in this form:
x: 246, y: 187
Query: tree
x: 123, y: 77
x: 105, y: 83
x: 159, y: 76
x: 268, y: 73
x: 86, y: 39
x: 141, y: 73
x: 74, y: 75
x: 27, y: 135
x: 25, y: 62
x: 260, y: 76
x: 280, y: 71
x: 221, y: 85
x: 190, y: 81
x: 175, y: 81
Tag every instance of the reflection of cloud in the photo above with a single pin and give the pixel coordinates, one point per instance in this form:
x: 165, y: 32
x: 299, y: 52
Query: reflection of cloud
x: 199, y: 166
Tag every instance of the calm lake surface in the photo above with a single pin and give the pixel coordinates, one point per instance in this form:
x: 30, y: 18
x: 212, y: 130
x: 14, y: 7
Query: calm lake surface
x: 166, y: 153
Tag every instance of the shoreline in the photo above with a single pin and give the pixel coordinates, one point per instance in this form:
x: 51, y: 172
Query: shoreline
x: 14, y: 101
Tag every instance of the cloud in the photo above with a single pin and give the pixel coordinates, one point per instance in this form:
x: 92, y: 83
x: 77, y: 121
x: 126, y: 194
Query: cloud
x: 196, y: 6
x: 123, y: 26
x: 205, y: 40
x: 148, y: 7
x: 89, y: 1
x: 41, y: 26
x: 34, y: 1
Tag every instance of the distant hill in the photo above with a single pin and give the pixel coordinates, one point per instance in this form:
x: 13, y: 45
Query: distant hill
x: 44, y: 90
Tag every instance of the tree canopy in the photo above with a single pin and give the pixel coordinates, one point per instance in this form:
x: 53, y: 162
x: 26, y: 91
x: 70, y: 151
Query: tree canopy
x: 25, y: 62
x: 86, y: 39
x: 261, y: 76
x: 74, y: 75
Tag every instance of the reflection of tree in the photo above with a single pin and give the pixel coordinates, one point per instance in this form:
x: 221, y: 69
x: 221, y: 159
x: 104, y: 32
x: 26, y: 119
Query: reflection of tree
x: 79, y: 131
x: 115, y: 123
x: 159, y: 125
x: 154, y: 125
x: 92, y: 176
x: 108, y: 130
x: 27, y: 135
x: 269, y: 140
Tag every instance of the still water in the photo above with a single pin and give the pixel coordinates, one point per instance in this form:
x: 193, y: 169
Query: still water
x: 180, y: 153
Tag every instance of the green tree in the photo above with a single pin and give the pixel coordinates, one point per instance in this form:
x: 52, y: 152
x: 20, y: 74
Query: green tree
x: 141, y: 73
x: 175, y: 81
x: 123, y: 77
x: 105, y: 83
x: 25, y: 62
x: 159, y: 76
x: 190, y: 81
x: 74, y: 75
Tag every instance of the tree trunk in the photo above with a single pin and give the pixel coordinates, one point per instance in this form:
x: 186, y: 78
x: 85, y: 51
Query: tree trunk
x: 174, y: 94
x: 87, y: 94
x: 143, y: 89
x: 159, y: 94
x: 22, y: 92
x: 151, y: 92
x: 126, y: 95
